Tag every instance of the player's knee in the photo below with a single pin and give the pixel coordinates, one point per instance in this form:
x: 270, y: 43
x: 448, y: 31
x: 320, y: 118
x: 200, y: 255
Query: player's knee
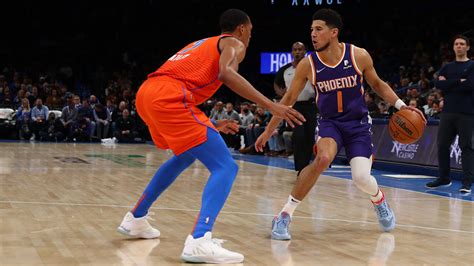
x: 233, y: 168
x: 228, y: 169
x: 361, y: 179
x: 322, y: 161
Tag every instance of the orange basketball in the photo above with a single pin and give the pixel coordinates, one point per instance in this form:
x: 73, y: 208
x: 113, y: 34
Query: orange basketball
x: 406, y: 126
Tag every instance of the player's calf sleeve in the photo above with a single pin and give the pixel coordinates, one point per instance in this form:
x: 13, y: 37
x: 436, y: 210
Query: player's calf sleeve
x: 214, y: 196
x: 360, y: 168
x: 217, y: 158
x: 164, y: 177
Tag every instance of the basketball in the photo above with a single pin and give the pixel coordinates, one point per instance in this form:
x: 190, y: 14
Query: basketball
x: 406, y: 126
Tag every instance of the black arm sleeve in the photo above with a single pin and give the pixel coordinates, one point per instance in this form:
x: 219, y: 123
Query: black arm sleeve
x: 279, y: 78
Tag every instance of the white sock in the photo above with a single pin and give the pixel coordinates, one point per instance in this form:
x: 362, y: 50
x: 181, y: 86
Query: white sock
x: 377, y: 198
x: 291, y: 205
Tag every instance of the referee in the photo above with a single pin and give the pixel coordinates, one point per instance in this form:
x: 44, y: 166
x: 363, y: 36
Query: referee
x: 456, y: 80
x: 303, y: 135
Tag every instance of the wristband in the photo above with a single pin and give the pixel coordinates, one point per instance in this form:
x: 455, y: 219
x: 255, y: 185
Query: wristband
x: 214, y: 122
x: 399, y: 103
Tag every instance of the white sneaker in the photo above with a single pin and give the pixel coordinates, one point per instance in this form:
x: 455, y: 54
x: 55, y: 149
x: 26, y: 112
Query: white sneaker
x: 109, y: 141
x: 208, y: 250
x: 137, y: 227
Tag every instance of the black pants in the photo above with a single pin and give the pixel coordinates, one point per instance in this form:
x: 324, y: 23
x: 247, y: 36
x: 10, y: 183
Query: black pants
x: 37, y: 127
x: 303, y: 136
x: 450, y: 125
x: 232, y: 141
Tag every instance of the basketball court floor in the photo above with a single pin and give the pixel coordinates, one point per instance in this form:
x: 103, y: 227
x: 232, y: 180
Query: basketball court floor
x: 61, y: 203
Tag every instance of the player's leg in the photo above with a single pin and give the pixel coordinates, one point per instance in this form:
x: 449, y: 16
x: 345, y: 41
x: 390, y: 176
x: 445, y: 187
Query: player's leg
x: 360, y: 167
x: 135, y: 222
x: 359, y: 149
x: 199, y: 246
x: 328, y: 145
x: 327, y: 150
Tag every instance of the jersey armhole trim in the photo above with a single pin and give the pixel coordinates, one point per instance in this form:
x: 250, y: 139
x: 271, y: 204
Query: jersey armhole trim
x: 352, y: 52
x: 222, y: 36
x: 313, y: 71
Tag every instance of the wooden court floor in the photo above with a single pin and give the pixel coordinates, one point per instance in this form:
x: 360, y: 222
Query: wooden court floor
x: 60, y: 204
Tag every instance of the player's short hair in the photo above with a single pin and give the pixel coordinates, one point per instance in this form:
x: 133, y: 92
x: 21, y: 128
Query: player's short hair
x: 331, y: 17
x: 459, y: 36
x: 231, y: 18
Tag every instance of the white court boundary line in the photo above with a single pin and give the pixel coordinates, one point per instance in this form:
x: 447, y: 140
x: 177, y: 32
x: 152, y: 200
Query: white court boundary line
x: 350, y: 179
x: 229, y: 212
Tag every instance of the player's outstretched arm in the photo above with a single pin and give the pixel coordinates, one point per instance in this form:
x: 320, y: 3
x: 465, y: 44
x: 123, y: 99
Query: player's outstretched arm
x: 366, y: 65
x: 232, y: 53
x: 297, y: 85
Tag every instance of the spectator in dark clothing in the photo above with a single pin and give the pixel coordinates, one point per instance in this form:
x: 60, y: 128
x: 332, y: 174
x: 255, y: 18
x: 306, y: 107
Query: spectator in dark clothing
x: 102, y: 120
x: 33, y: 95
x: 85, y: 118
x: 126, y: 130
x: 370, y: 101
x: 110, y: 108
x: 118, y: 111
x: 456, y: 80
x: 93, y: 101
x: 69, y: 117
x: 382, y: 111
x: 414, y: 103
x: 254, y: 130
x: 54, y: 129
x: 140, y: 125
x: 6, y: 100
x: 54, y: 101
x: 435, y: 110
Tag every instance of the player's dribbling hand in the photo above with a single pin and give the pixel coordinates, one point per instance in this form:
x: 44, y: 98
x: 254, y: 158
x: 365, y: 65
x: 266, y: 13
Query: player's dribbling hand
x: 261, y: 140
x: 416, y: 110
x: 227, y: 126
x: 288, y: 113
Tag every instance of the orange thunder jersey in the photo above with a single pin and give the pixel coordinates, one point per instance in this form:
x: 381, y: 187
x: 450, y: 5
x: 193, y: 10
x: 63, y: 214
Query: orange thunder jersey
x: 197, y: 66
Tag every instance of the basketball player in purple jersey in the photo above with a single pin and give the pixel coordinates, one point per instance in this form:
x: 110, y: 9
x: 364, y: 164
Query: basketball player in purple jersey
x: 337, y: 71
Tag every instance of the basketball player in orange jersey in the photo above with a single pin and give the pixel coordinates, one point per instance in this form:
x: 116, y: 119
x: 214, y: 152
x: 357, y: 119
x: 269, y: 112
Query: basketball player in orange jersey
x: 337, y: 71
x: 167, y: 102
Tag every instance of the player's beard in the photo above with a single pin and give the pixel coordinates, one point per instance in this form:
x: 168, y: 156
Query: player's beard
x: 323, y: 48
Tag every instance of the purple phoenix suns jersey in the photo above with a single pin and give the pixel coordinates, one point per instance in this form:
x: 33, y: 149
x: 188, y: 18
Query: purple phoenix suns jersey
x: 339, y: 88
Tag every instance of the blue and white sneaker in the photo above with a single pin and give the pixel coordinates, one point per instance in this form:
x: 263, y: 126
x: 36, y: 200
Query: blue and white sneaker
x: 386, y: 216
x: 280, y: 227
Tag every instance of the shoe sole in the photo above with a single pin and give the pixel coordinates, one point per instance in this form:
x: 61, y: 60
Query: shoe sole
x: 194, y: 259
x: 144, y: 236
x: 278, y: 237
x: 448, y: 185
x: 391, y: 227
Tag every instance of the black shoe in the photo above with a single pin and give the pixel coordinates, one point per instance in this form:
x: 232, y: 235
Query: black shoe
x: 465, y: 189
x: 439, y: 182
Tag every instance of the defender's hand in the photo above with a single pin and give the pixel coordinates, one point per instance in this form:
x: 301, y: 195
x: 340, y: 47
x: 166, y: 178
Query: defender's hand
x: 227, y: 126
x: 262, y: 139
x: 288, y: 113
